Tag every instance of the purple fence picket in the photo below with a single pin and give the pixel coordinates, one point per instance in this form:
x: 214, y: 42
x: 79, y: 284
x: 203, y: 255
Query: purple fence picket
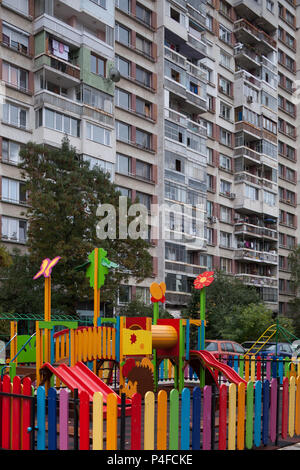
x: 273, y: 410
x: 63, y: 420
x: 268, y: 369
x: 207, y: 394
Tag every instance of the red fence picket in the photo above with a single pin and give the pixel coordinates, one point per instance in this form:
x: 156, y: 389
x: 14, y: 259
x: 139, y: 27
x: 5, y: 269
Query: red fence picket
x: 84, y: 421
x: 136, y: 417
x: 16, y: 414
x: 26, y: 414
x: 6, y: 434
x: 285, y: 407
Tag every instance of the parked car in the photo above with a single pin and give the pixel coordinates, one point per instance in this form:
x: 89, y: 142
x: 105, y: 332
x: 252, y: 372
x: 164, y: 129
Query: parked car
x: 216, y: 346
x: 283, y: 349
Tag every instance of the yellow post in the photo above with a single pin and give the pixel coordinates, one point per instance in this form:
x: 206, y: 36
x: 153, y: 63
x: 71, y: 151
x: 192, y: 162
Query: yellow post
x: 13, y: 336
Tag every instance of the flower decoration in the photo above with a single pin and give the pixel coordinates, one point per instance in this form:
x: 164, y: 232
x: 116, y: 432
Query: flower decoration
x: 204, y: 279
x: 157, y: 292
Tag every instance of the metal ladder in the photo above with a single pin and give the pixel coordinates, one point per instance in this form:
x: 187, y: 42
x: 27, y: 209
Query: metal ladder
x: 262, y: 340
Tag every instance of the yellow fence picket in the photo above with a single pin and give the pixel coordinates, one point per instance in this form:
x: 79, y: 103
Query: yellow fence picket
x: 241, y: 417
x: 231, y: 416
x: 297, y: 407
x: 149, y: 421
x: 292, y: 397
x: 98, y: 421
x: 253, y: 363
x: 112, y: 421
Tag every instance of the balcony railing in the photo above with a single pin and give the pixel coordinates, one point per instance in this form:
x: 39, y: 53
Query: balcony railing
x: 243, y: 227
x: 259, y: 34
x: 258, y: 281
x: 247, y: 152
x: 257, y: 256
x: 249, y: 178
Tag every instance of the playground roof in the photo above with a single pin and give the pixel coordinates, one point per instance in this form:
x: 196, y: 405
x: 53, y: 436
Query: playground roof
x: 39, y: 317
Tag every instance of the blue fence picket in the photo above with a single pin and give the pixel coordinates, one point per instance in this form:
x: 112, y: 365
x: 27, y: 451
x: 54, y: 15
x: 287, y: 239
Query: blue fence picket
x: 185, y: 419
x: 41, y: 418
x: 266, y: 411
x: 280, y: 369
x: 257, y: 414
x: 52, y: 419
x: 236, y: 364
x: 196, y: 418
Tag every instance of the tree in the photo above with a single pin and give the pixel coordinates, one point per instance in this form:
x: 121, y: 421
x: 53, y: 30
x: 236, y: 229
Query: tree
x: 294, y: 304
x: 137, y: 308
x: 226, y: 300
x: 63, y: 196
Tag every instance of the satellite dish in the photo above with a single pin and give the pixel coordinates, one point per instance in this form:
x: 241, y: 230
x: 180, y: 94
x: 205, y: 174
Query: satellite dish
x: 114, y: 74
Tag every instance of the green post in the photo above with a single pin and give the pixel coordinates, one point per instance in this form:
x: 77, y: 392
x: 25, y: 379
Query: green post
x: 202, y: 331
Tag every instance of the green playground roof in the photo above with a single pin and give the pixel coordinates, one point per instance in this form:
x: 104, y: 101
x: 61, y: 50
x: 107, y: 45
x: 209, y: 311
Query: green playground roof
x: 40, y: 317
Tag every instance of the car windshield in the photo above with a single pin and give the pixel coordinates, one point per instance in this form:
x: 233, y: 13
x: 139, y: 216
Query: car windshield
x: 270, y: 348
x: 211, y: 346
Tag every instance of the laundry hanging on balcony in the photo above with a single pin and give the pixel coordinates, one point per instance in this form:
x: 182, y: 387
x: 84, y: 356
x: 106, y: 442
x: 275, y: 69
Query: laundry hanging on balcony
x: 60, y: 50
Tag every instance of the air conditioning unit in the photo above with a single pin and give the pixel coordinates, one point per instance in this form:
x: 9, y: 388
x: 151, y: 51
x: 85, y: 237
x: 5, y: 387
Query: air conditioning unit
x: 232, y: 196
x: 249, y: 99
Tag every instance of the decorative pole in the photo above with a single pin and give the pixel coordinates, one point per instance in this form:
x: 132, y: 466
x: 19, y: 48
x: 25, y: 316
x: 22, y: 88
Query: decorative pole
x: 157, y: 292
x: 200, y: 283
x: 45, y: 270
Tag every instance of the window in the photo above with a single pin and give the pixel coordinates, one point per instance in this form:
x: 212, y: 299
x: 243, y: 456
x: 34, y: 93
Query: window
x: 209, y: 235
x: 225, y: 59
x: 225, y: 162
x: 123, y: 66
x: 142, y: 294
x: 124, y: 294
x: 14, y: 229
x: 21, y: 6
x: 143, y: 107
x: 290, y: 174
x: 290, y: 242
x: 270, y: 6
x: 225, y: 86
x: 175, y: 15
x: 123, y: 5
x: 15, y: 38
x: 101, y: 3
x: 225, y: 137
x: 98, y: 134
x: 226, y: 265
x: 13, y: 191
x: 271, y: 126
x: 225, y: 34
x: 122, y: 34
x: 251, y: 192
x: 143, y: 170
x: 144, y: 199
x: 225, y: 187
x: 123, y: 131
x: 10, y: 151
x: 143, y: 139
x: 225, y: 214
x: 15, y: 115
x: 143, y: 45
x: 97, y: 65
x: 269, y: 198
x: 225, y: 239
x: 124, y: 191
x: 96, y: 98
x: 105, y: 166
x: 143, y: 14
x: 15, y: 76
x: 175, y: 132
x: 123, y: 164
x: 60, y: 122
x: 209, y: 22
x: 143, y: 76
x: 122, y: 98
x: 225, y: 111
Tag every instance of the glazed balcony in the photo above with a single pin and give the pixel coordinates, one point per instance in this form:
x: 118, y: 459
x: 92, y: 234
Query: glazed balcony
x: 258, y: 281
x: 246, y: 177
x: 246, y: 229
x: 262, y: 257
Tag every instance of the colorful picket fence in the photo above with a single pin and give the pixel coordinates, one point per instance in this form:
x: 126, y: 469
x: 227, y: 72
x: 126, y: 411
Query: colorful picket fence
x: 236, y: 418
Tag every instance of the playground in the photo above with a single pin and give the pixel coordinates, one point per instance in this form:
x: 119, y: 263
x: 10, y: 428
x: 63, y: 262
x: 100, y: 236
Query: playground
x: 135, y: 383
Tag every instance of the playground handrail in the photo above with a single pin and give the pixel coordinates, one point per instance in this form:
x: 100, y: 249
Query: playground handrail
x: 5, y: 346
x: 25, y: 344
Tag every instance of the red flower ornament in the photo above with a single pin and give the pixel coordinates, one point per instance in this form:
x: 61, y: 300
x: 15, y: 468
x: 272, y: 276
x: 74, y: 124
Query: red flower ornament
x: 204, y: 279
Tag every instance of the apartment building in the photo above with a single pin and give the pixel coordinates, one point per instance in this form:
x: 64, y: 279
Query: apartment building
x: 200, y: 128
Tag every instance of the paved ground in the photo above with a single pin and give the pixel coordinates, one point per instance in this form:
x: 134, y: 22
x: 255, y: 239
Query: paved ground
x: 292, y: 447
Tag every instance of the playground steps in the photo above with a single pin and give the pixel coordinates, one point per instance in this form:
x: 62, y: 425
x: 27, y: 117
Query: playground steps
x: 262, y: 340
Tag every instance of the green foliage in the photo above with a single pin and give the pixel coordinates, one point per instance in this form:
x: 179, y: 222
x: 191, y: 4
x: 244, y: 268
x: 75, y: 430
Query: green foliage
x: 294, y: 304
x: 137, y: 308
x: 233, y: 310
x: 5, y: 257
x: 64, y: 194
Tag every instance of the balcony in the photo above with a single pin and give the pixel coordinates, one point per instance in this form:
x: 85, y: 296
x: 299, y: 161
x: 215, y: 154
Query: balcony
x: 197, y: 44
x: 263, y: 257
x: 68, y: 73
x: 242, y: 228
x: 247, y: 33
x: 258, y: 281
x: 247, y: 58
x: 185, y: 268
x: 245, y: 177
x: 248, y: 153
x: 183, y: 121
x: 253, y: 132
x: 254, y: 204
x: 250, y: 9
